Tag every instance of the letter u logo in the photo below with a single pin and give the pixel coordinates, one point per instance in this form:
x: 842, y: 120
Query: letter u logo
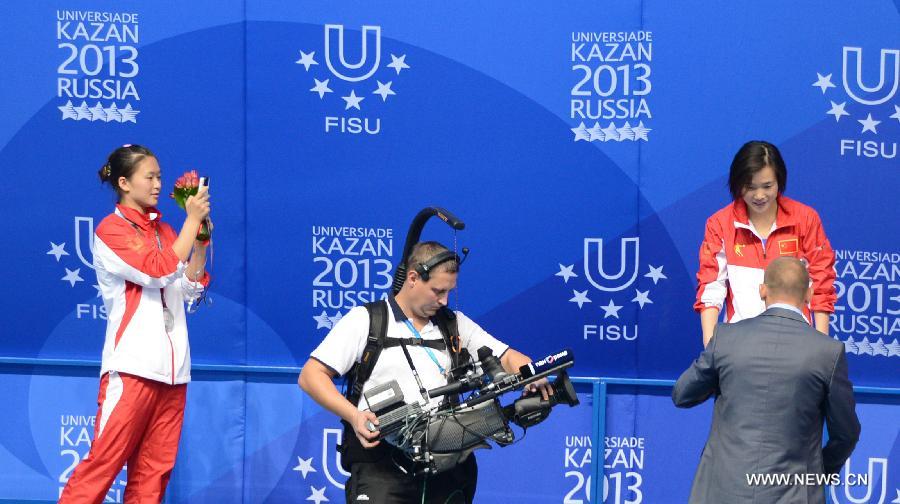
x: 352, y: 72
x: 594, y: 266
x: 84, y: 232
x: 330, y: 439
x: 887, y: 84
x: 867, y: 499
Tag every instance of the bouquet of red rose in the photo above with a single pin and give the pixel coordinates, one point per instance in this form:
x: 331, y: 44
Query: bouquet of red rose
x: 186, y: 186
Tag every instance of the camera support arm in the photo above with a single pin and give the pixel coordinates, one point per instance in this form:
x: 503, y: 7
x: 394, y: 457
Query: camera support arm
x: 415, y: 232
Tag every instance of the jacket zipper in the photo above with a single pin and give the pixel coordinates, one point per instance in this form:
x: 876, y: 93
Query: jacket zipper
x: 162, y: 296
x: 763, y: 242
x: 172, y: 354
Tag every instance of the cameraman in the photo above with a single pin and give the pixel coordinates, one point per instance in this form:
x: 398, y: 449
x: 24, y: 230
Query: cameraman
x: 385, y: 474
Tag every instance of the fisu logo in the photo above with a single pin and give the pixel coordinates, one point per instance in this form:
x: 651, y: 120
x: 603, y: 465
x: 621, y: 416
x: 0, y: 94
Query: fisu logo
x: 353, y: 62
x: 611, y: 267
x: 865, y: 100
x: 84, y: 244
x: 327, y: 477
x: 83, y: 251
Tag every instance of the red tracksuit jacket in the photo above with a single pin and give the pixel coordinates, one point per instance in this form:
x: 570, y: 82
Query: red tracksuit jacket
x: 733, y: 258
x: 134, y: 271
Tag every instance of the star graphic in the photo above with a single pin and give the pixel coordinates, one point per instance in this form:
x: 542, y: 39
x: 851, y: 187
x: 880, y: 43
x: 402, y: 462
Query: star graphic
x: 869, y: 124
x: 581, y: 133
x: 878, y: 348
x: 304, y: 466
x: 112, y: 113
x: 384, y: 90
x: 72, y: 277
x: 321, y: 87
x: 611, y: 310
x: 566, y: 272
x: 640, y: 132
x: 57, y: 250
x: 596, y: 133
x: 97, y: 113
x: 837, y: 110
x: 129, y: 114
x: 865, y: 347
x: 641, y: 298
x: 99, y: 292
x: 611, y: 132
x: 893, y: 349
x: 850, y: 346
x: 83, y: 111
x: 656, y: 274
x: 625, y: 132
x: 68, y: 111
x: 398, y: 63
x: 897, y: 500
x: 306, y: 59
x: 896, y: 114
x: 580, y: 298
x: 322, y: 320
x: 317, y: 495
x: 352, y: 100
x: 334, y: 320
x: 824, y: 82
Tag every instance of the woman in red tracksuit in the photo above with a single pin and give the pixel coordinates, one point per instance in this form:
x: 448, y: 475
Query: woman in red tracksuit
x: 761, y: 224
x: 146, y: 272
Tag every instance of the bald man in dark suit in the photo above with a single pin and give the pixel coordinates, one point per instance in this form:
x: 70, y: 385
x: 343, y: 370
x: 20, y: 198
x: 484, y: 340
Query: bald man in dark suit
x: 776, y: 380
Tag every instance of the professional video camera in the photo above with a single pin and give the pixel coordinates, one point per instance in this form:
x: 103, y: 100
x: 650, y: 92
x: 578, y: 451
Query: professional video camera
x: 438, y: 438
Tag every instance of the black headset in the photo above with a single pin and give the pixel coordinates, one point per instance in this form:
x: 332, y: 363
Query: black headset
x: 424, y: 269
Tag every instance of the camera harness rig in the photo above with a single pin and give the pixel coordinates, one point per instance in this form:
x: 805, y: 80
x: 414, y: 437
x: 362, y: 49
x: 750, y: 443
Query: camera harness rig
x: 437, y: 441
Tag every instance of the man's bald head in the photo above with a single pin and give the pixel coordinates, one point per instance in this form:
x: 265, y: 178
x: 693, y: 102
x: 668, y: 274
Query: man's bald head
x: 786, y: 281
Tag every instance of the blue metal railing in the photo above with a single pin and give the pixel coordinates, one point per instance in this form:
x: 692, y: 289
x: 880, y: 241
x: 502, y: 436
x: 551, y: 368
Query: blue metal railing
x: 599, y: 390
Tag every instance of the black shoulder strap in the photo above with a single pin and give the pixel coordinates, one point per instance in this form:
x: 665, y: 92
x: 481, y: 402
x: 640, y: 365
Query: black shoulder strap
x: 437, y: 344
x: 446, y: 322
x: 374, y: 343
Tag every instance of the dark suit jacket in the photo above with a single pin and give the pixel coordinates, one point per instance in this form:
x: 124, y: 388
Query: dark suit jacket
x: 775, y: 379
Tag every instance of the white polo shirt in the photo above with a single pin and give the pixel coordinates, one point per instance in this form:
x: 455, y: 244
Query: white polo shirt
x: 344, y: 345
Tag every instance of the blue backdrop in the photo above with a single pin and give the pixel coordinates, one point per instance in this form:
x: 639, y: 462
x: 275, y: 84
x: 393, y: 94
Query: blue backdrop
x: 584, y: 145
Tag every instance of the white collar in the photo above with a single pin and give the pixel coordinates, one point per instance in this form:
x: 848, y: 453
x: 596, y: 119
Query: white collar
x: 791, y: 307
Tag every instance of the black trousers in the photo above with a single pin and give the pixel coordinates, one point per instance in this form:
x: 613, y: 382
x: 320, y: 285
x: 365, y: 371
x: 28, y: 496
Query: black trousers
x: 382, y: 482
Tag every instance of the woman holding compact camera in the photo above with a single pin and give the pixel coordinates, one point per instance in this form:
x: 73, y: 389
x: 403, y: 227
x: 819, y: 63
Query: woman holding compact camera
x: 146, y: 272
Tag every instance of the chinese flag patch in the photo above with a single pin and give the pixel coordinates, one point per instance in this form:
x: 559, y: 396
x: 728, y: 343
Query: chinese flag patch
x: 786, y: 247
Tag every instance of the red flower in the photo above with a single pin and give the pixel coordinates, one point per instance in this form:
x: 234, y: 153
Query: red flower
x: 185, y: 186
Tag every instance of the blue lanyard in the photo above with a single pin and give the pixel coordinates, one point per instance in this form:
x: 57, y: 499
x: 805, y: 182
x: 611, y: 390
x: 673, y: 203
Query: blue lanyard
x: 419, y: 337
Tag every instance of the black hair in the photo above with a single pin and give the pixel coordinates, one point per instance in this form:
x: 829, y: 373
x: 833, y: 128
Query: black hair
x: 122, y: 162
x: 752, y: 157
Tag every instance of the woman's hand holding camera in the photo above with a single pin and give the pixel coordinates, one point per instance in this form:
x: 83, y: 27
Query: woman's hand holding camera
x: 197, y: 206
